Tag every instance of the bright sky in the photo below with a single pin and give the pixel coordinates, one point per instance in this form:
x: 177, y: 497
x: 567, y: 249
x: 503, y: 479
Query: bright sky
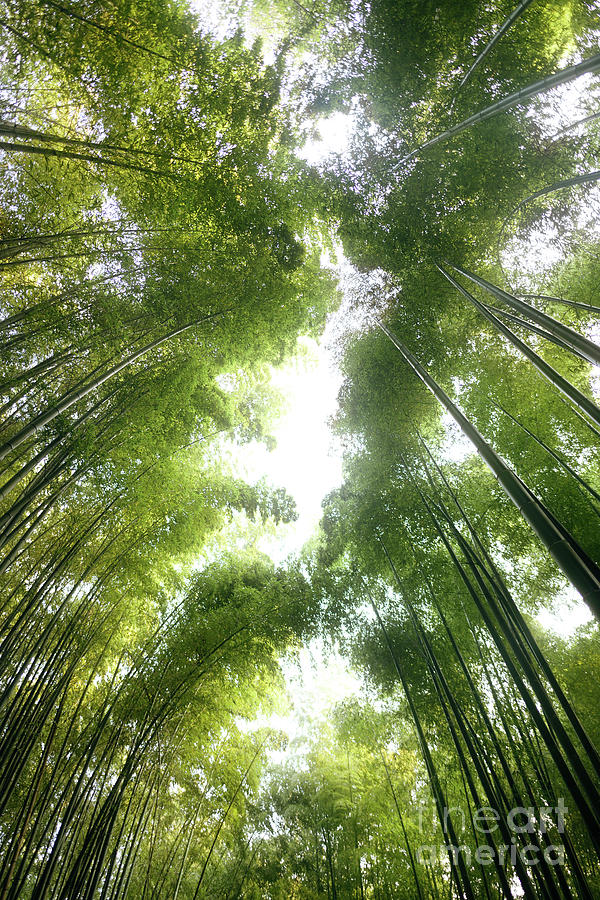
x: 569, y: 613
x: 305, y: 460
x: 317, y: 678
x: 332, y: 135
x: 213, y: 17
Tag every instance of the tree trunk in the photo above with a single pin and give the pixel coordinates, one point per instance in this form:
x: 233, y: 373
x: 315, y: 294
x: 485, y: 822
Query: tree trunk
x: 566, y: 553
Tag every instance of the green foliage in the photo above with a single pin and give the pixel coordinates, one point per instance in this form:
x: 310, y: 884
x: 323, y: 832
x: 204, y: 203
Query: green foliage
x: 160, y: 250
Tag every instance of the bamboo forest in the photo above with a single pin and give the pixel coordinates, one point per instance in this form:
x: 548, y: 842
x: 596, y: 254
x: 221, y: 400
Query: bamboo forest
x: 299, y: 449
